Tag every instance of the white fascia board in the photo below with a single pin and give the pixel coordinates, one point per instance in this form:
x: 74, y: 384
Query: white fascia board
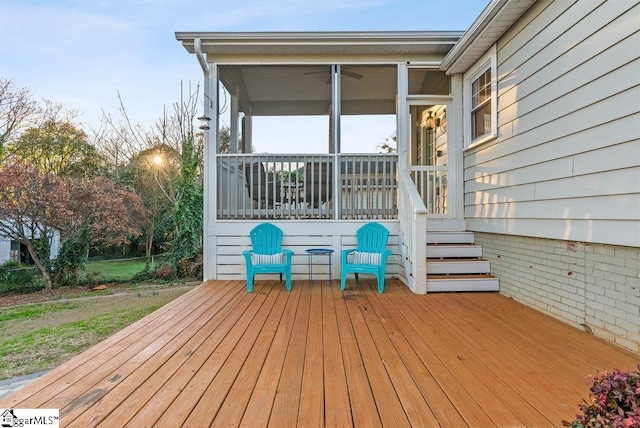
x: 266, y: 39
x: 476, y: 33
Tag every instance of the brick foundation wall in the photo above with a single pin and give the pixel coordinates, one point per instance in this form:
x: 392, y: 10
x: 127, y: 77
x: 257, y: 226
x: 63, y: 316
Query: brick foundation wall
x: 594, y: 287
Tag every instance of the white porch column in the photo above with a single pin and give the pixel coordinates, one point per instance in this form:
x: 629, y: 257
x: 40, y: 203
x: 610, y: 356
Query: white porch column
x: 247, y: 131
x: 210, y: 149
x: 334, y: 141
x: 402, y: 115
x: 210, y: 92
x: 234, y: 135
x: 456, y: 143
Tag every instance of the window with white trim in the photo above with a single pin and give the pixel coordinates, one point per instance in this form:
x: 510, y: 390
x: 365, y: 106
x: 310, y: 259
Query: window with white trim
x: 480, y: 94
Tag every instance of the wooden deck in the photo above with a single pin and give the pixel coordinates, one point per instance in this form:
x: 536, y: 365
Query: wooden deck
x: 320, y: 357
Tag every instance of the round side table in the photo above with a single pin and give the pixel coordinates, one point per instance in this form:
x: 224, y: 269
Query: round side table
x: 318, y: 251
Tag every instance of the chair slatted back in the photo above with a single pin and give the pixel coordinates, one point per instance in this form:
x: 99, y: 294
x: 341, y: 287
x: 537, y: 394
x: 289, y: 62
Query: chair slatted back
x: 372, y: 238
x: 266, y: 238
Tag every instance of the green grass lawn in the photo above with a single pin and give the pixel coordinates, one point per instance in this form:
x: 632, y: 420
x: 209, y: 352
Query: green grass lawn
x: 115, y: 270
x: 42, y: 336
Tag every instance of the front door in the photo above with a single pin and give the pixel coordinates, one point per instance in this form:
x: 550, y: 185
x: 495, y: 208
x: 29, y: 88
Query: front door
x: 429, y: 149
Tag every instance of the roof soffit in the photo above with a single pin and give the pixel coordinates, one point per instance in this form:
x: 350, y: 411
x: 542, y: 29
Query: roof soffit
x: 346, y: 43
x: 496, y: 18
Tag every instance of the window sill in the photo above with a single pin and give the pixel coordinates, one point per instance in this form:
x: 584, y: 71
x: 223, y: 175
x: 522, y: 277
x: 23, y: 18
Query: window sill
x: 481, y: 141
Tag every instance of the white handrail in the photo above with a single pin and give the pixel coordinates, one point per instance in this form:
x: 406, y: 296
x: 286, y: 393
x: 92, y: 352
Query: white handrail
x: 413, y: 233
x: 431, y: 184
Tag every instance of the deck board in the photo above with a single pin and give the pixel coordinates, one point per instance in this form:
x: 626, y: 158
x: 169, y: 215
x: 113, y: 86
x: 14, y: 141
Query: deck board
x: 321, y: 357
x: 362, y: 404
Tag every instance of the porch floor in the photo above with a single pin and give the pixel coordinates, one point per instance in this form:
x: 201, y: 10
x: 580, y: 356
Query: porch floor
x: 321, y: 357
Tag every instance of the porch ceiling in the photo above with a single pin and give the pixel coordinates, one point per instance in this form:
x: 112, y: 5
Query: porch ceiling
x: 288, y: 90
x: 296, y: 80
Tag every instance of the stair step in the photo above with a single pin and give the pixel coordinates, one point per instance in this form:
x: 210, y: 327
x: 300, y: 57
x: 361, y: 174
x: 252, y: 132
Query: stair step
x: 458, y: 266
x: 446, y: 225
x: 450, y: 238
x: 445, y: 283
x: 454, y: 250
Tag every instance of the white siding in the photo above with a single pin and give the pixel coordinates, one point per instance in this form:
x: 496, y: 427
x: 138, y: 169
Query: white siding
x: 232, y: 238
x: 5, y: 250
x: 566, y: 163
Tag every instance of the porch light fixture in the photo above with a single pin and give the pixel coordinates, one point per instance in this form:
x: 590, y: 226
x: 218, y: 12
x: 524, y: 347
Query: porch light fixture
x: 430, y: 122
x: 204, y: 122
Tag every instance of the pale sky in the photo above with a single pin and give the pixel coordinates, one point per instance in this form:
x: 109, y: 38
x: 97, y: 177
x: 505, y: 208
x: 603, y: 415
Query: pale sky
x: 82, y: 53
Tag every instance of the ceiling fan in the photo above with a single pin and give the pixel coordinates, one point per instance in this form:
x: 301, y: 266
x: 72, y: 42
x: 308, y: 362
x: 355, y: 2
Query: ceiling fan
x: 343, y: 71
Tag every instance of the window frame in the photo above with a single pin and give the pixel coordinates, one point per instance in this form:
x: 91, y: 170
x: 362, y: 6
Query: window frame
x: 487, y: 62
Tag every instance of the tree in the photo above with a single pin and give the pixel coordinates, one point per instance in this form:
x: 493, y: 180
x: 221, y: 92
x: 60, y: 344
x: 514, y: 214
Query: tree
x: 35, y: 204
x: 153, y: 174
x: 16, y: 108
x: 58, y: 146
x: 188, y: 210
x: 174, y: 131
x: 389, y: 145
x: 103, y: 214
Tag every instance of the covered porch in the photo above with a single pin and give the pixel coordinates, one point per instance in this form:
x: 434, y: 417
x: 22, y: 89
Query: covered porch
x: 337, y: 101
x: 320, y: 357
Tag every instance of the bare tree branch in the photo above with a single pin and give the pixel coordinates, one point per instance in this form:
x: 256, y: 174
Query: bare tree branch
x: 17, y: 111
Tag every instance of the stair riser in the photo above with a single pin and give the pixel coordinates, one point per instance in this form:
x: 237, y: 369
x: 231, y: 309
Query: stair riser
x: 458, y: 267
x: 450, y: 238
x: 444, y: 285
x: 445, y: 251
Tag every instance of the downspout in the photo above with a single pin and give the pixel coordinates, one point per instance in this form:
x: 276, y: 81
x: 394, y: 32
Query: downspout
x: 210, y: 168
x: 197, y: 45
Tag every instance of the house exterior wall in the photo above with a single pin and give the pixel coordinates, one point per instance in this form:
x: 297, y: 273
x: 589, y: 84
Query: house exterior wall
x: 5, y: 250
x: 595, y: 287
x: 566, y: 162
x: 555, y: 198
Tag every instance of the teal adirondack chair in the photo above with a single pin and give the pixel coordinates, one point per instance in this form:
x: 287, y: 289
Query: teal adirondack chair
x: 267, y: 255
x: 369, y: 257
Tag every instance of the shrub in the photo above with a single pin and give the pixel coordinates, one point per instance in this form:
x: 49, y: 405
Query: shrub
x: 144, y: 275
x: 165, y: 271
x: 15, y: 277
x: 615, y: 401
x: 191, y: 268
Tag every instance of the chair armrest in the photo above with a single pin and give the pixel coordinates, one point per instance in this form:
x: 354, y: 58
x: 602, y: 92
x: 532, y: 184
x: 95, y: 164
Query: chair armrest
x: 385, y: 255
x: 247, y: 257
x: 288, y: 254
x: 343, y: 254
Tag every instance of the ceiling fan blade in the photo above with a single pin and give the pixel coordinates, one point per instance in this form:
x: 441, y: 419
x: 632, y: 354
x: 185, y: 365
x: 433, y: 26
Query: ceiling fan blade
x: 316, y: 72
x: 352, y: 74
x: 342, y: 72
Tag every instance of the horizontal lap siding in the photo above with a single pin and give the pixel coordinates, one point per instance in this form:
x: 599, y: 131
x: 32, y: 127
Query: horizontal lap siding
x: 566, y: 163
x: 232, y: 238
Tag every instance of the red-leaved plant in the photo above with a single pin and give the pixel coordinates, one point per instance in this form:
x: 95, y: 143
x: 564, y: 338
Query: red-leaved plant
x: 615, y: 401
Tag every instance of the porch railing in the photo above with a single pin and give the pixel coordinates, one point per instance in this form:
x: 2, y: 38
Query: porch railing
x: 431, y: 183
x: 413, y: 234
x: 307, y: 186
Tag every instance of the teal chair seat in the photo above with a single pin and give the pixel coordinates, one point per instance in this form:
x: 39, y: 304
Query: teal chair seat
x: 267, y: 255
x: 369, y: 257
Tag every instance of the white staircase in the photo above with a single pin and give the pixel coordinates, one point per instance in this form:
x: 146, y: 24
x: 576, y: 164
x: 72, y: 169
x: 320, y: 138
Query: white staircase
x: 455, y: 263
